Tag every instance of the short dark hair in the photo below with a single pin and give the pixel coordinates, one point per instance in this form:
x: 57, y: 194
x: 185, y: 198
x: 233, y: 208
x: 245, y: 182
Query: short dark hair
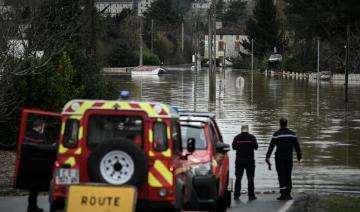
x: 283, y: 122
x: 38, y: 122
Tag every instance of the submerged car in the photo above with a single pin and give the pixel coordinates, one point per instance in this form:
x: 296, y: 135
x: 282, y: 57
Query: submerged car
x: 209, y: 187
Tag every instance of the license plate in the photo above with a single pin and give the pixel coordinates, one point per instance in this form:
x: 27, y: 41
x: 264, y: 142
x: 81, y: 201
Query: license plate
x: 67, y: 176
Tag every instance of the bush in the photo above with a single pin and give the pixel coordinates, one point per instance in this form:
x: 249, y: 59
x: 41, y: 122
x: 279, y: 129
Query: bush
x: 242, y: 63
x: 148, y: 58
x: 122, y: 55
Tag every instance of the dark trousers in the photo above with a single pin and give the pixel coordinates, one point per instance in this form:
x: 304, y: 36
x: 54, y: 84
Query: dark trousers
x: 32, y: 200
x: 240, y: 166
x: 284, y: 169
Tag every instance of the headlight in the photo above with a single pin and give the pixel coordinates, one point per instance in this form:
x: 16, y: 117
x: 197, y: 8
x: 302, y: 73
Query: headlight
x: 201, y: 169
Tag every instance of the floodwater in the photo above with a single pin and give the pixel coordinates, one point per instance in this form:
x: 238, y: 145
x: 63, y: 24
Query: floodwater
x: 330, y: 141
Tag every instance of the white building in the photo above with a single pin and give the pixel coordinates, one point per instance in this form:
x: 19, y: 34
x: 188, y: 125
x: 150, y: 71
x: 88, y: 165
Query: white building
x: 205, y: 4
x: 228, y: 44
x: 143, y: 5
x: 200, y: 4
x: 113, y: 7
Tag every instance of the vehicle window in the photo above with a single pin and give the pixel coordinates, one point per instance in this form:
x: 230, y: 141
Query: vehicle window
x: 218, y: 131
x: 71, y: 133
x: 102, y: 128
x: 194, y: 132
x: 213, y: 138
x: 175, y: 135
x: 51, y: 129
x: 160, y: 140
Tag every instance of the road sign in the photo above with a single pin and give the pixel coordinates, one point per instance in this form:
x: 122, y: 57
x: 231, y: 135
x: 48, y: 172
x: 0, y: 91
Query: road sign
x: 101, y: 198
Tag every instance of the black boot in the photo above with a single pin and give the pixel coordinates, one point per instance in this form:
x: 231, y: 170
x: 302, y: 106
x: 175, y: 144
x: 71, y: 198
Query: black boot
x: 252, y: 197
x: 285, y: 197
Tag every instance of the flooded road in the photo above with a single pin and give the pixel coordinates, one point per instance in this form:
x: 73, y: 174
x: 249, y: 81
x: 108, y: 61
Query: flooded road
x: 330, y: 141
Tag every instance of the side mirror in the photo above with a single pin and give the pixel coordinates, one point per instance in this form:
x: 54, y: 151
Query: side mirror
x: 222, y: 147
x: 190, y: 145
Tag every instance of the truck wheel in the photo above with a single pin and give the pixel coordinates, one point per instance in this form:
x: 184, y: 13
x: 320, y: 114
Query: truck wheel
x: 56, y: 206
x: 173, y: 209
x: 221, y: 205
x: 118, y: 162
x: 227, y: 198
x: 227, y: 194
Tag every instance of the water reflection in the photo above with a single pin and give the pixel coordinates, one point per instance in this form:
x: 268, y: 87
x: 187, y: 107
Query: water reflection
x: 330, y: 141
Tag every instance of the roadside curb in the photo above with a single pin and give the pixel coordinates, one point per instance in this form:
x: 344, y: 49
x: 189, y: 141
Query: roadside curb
x: 287, y: 206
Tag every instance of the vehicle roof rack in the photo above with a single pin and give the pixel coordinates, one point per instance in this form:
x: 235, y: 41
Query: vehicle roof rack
x: 197, y: 114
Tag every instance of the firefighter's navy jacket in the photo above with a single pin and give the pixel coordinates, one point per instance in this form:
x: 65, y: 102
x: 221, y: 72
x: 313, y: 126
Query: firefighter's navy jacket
x: 244, y: 144
x: 285, y: 141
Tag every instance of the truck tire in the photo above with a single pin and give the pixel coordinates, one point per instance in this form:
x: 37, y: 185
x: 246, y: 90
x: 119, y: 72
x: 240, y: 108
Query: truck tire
x: 221, y: 204
x: 228, y: 198
x: 227, y: 194
x: 56, y: 206
x: 118, y: 162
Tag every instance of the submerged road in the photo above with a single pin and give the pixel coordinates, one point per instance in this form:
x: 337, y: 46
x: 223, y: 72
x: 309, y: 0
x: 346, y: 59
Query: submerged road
x: 264, y: 203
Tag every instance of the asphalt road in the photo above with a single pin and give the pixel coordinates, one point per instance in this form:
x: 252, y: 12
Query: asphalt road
x: 264, y: 203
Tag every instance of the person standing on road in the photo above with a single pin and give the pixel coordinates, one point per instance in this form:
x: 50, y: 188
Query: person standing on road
x: 285, y: 141
x: 245, y: 144
x: 36, y: 136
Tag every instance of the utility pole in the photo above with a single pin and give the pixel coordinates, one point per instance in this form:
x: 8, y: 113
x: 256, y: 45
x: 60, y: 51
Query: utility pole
x: 92, y: 41
x: 141, y: 44
x: 318, y: 79
x: 214, y: 28
x: 152, y: 35
x: 347, y: 62
x: 252, y: 69
x: 182, y: 37
x: 196, y: 44
x: 212, y: 47
x: 224, y: 62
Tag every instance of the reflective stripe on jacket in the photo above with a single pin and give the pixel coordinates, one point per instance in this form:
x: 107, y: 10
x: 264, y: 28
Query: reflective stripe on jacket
x: 285, y: 141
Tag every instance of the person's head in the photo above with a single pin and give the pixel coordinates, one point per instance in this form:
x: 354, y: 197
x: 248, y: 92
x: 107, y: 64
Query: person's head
x: 283, y: 122
x: 39, y: 125
x: 244, y: 128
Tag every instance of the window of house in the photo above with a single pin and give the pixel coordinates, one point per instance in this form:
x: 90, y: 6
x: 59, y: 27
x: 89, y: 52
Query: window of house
x: 237, y: 45
x: 237, y: 37
x: 221, y: 45
x: 160, y: 140
x: 221, y: 37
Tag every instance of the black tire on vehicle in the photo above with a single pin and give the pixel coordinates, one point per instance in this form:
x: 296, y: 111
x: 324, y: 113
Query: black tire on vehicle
x: 227, y: 194
x: 228, y: 198
x: 122, y: 158
x: 221, y: 205
x: 56, y: 206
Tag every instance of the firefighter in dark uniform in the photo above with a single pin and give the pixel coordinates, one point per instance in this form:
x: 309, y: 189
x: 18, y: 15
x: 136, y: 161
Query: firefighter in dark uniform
x: 285, y: 141
x: 35, y: 135
x: 244, y: 144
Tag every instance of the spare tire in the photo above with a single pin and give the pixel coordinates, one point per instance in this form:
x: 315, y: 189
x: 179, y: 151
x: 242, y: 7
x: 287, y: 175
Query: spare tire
x: 118, y: 162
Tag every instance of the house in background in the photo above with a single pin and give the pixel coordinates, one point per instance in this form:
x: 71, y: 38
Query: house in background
x: 143, y: 5
x: 228, y: 44
x: 113, y: 7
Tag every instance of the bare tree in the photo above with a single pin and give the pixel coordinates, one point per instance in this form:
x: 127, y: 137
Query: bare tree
x: 30, y: 38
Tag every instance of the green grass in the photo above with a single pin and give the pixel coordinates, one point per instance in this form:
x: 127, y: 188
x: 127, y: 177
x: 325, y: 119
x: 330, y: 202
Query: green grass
x: 332, y: 203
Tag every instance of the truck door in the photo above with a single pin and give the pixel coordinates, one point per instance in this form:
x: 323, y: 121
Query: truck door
x: 37, y: 149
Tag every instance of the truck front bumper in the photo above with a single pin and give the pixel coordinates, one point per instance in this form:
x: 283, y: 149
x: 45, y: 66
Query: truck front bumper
x: 205, y: 188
